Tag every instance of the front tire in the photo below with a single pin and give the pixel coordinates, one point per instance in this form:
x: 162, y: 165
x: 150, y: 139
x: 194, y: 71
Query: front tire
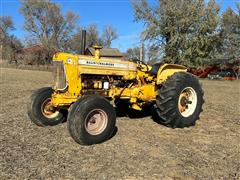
x: 180, y: 101
x: 40, y: 110
x: 91, y: 120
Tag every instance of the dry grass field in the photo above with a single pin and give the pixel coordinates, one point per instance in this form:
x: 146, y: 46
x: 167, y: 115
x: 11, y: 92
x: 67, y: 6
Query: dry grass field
x: 141, y: 148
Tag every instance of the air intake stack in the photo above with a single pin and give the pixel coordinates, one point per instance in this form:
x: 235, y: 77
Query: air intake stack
x: 83, y: 42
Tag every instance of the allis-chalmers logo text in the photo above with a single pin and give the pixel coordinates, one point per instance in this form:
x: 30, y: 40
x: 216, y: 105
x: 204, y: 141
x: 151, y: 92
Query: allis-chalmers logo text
x: 99, y: 63
x: 105, y: 64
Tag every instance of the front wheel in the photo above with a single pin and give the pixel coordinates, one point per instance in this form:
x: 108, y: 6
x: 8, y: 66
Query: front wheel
x: 40, y: 110
x: 91, y: 120
x: 180, y: 100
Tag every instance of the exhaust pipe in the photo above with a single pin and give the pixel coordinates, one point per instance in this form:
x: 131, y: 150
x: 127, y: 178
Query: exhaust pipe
x: 83, y: 42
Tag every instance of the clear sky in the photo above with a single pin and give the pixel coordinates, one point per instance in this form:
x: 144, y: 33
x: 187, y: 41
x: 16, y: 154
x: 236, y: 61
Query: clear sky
x: 118, y: 13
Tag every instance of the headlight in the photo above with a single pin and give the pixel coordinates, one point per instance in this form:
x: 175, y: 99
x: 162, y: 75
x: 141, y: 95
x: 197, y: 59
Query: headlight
x: 59, y: 76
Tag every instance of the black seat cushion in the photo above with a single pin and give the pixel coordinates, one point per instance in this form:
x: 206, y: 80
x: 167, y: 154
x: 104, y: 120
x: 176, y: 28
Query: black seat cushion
x: 154, y: 70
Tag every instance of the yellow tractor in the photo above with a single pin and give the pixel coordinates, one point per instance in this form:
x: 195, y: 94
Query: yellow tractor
x: 86, y: 86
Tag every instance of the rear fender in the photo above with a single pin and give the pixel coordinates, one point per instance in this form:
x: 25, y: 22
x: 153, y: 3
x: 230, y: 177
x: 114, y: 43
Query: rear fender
x: 168, y: 70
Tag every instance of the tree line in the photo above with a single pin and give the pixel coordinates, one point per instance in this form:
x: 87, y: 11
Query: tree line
x: 188, y: 32
x: 45, y: 24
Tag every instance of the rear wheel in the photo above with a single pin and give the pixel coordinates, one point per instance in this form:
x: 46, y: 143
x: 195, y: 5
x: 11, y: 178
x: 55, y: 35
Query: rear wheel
x: 180, y: 101
x: 91, y: 120
x: 40, y: 110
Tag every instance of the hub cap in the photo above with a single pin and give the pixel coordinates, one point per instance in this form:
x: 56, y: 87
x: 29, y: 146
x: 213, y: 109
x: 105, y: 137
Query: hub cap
x: 48, y: 110
x: 96, y: 122
x: 187, y: 102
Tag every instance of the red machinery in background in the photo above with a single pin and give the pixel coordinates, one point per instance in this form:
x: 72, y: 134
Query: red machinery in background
x: 229, y: 71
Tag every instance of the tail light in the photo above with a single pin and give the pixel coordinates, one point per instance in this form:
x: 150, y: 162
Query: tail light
x: 59, y: 76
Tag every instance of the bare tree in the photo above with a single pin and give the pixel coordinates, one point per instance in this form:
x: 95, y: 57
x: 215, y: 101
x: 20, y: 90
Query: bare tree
x: 46, y: 24
x: 92, y: 35
x: 154, y: 54
x: 109, y: 34
x: 133, y: 53
x: 9, y: 44
x: 6, y: 24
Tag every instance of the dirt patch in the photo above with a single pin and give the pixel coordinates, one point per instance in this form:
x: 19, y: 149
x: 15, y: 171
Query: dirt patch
x: 141, y: 148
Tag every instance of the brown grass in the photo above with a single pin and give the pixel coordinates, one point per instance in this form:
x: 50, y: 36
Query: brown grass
x: 141, y: 149
x: 5, y: 64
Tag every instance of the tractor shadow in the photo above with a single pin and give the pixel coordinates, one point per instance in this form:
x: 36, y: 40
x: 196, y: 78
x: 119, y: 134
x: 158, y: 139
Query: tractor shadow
x: 135, y: 114
x: 147, y: 111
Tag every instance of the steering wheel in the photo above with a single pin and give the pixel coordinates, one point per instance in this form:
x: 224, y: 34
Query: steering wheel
x: 141, y: 64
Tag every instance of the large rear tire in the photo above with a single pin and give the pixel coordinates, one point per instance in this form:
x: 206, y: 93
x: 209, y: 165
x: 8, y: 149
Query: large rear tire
x: 91, y: 120
x: 40, y: 110
x: 180, y: 101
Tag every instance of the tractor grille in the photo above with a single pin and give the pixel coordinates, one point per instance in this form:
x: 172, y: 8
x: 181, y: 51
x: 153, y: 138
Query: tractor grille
x: 59, y: 76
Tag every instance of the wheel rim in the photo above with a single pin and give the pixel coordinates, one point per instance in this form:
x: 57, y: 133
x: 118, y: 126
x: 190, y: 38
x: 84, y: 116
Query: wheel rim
x: 48, y: 110
x: 96, y: 122
x: 187, y: 102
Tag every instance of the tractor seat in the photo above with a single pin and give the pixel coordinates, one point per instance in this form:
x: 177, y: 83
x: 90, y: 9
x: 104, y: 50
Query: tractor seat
x: 154, y: 70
